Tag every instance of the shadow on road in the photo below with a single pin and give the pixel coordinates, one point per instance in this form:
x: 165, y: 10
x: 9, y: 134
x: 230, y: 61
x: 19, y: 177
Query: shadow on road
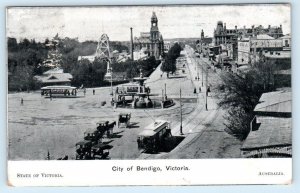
x: 176, y: 77
x: 133, y: 125
x: 168, y: 145
x: 115, y: 135
x: 107, y: 142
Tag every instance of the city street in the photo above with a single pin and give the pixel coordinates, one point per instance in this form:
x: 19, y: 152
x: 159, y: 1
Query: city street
x: 41, y: 125
x: 203, y: 130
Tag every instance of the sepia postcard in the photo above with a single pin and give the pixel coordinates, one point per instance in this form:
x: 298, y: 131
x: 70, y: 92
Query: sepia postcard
x: 149, y: 95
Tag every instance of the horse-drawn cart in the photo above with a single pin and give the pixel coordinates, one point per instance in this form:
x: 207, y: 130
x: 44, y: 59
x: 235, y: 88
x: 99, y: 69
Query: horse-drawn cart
x: 106, y: 127
x: 124, y: 119
x: 100, y: 151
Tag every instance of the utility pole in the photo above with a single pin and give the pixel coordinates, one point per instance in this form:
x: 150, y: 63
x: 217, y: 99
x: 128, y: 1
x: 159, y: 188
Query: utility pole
x: 206, y: 85
x: 165, y: 90
x: 202, y: 73
x: 181, y: 133
x: 112, y: 92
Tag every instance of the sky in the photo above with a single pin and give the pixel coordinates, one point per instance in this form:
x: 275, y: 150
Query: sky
x: 89, y: 23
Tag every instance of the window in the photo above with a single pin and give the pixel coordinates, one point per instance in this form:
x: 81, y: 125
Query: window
x: 286, y: 43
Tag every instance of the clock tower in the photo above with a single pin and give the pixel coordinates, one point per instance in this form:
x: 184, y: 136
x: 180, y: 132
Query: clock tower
x: 154, y: 28
x: 154, y: 36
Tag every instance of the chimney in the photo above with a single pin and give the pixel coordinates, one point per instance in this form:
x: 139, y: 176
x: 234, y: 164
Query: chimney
x: 280, y: 26
x: 131, y: 42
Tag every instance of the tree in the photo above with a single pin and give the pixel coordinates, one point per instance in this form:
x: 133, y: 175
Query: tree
x: 12, y: 45
x: 239, y: 94
x: 169, y: 64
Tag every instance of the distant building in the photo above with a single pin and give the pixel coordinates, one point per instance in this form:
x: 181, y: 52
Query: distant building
x: 271, y: 129
x: 286, y: 42
x: 222, y: 35
x: 204, y: 44
x: 152, y: 42
x: 140, y: 54
x: 53, y: 77
x: 123, y: 57
x: 250, y: 49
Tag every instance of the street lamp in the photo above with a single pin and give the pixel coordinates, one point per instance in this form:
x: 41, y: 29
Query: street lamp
x: 202, y: 73
x: 112, y: 93
x: 181, y: 133
x: 206, y: 85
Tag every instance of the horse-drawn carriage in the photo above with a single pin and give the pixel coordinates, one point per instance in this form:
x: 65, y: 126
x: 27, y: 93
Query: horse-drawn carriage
x: 92, y: 135
x: 106, y: 127
x: 100, y: 151
x: 124, y: 119
x: 83, y: 150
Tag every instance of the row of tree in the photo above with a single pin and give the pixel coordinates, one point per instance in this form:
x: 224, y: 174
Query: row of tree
x: 25, y: 60
x: 169, y: 63
x: 91, y: 74
x: 240, y: 93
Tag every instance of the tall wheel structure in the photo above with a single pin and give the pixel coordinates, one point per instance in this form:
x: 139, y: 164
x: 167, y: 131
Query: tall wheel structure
x: 103, y: 52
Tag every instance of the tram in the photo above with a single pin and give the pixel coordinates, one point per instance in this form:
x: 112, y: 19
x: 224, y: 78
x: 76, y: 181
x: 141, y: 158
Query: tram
x: 154, y: 136
x: 59, y: 91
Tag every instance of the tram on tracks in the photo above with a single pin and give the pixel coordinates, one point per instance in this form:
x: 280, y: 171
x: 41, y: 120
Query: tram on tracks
x: 59, y: 91
x: 154, y: 136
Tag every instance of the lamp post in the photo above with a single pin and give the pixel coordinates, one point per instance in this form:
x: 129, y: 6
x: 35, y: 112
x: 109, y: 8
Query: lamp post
x: 181, y: 133
x: 206, y: 85
x: 112, y: 93
x: 165, y: 90
x: 202, y: 73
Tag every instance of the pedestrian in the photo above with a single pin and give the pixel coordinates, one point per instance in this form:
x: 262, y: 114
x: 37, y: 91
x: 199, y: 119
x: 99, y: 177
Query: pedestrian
x: 22, y: 101
x: 84, y: 91
x: 93, y: 91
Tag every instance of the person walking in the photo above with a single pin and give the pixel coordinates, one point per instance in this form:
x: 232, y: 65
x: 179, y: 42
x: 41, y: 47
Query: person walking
x: 93, y: 91
x: 22, y: 101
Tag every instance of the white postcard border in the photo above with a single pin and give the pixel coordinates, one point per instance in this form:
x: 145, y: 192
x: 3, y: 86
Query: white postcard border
x: 191, y: 172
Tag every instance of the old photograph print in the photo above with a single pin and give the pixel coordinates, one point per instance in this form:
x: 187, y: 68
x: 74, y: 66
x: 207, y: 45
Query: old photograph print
x: 149, y: 82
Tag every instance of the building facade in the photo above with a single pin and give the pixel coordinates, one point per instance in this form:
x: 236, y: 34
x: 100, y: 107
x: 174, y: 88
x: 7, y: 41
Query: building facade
x: 222, y: 35
x: 204, y: 44
x: 286, y: 42
x: 271, y: 128
x: 152, y: 42
x: 250, y: 49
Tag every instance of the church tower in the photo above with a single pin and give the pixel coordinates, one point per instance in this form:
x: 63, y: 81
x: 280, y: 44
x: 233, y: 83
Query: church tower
x: 154, y: 28
x: 154, y: 37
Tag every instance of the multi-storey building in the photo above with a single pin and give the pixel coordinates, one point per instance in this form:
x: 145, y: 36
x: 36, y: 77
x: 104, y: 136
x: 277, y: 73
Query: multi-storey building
x: 152, y: 42
x: 222, y: 35
x: 250, y: 49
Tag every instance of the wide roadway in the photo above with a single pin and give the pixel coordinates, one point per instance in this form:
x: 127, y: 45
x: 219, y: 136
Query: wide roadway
x: 41, y: 125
